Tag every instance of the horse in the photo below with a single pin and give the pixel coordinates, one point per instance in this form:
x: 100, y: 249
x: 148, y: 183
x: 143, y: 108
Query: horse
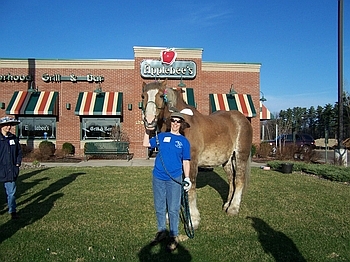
x: 221, y: 138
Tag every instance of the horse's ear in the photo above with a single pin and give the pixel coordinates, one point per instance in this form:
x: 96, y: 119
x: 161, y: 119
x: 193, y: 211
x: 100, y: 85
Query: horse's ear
x: 143, y: 86
x: 164, y: 83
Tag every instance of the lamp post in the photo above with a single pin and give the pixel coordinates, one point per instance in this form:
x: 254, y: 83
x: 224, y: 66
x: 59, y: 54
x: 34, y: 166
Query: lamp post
x: 262, y: 99
x: 232, y: 91
x: 340, y: 153
x: 98, y: 89
x: 181, y: 84
x: 32, y: 87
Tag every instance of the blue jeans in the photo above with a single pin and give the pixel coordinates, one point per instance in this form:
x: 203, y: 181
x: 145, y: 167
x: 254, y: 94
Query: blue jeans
x: 10, y: 188
x: 167, y: 197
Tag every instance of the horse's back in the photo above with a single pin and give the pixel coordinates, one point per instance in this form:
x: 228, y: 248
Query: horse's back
x: 233, y: 122
x: 216, y: 136
x: 237, y: 125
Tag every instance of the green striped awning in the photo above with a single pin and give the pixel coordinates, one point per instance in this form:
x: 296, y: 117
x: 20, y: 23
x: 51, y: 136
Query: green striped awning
x: 105, y: 103
x: 241, y: 102
x: 33, y: 103
x: 188, y: 96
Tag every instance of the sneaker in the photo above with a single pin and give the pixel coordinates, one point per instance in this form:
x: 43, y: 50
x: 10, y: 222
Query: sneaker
x: 158, y: 238
x: 173, y: 243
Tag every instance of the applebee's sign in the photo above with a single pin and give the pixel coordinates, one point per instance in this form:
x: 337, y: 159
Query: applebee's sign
x: 168, y: 56
x: 168, y: 67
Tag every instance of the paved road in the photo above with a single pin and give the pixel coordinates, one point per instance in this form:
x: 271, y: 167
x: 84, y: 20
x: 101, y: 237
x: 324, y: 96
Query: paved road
x: 101, y: 162
x: 150, y: 162
x: 111, y: 162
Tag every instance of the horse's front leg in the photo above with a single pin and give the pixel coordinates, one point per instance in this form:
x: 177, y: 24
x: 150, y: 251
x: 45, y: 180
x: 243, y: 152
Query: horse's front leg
x: 192, y: 196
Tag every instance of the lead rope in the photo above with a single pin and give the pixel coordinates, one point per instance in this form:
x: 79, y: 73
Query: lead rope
x: 185, y: 214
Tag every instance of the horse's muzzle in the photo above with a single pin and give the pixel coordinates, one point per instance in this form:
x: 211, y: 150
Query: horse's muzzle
x: 150, y: 126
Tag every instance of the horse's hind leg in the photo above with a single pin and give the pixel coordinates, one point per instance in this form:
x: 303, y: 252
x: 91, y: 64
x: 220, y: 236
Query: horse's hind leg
x: 229, y: 169
x: 235, y: 170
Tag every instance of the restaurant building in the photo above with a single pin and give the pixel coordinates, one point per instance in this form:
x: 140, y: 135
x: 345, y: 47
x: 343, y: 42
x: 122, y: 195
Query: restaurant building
x: 78, y: 101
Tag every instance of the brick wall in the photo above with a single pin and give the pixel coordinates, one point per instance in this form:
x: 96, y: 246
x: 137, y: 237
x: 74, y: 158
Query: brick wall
x: 124, y: 76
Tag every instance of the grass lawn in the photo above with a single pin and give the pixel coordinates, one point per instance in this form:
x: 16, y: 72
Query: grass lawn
x: 106, y: 214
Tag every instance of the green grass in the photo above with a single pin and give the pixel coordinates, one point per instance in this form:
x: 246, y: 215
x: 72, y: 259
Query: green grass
x: 106, y: 214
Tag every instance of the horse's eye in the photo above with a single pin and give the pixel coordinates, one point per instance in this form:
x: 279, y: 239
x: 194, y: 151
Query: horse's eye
x: 161, y: 96
x: 142, y: 96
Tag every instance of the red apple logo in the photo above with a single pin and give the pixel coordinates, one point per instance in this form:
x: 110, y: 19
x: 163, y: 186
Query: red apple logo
x: 168, y: 56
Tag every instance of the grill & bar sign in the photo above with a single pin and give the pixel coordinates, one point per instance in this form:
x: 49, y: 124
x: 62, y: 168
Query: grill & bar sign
x: 72, y: 78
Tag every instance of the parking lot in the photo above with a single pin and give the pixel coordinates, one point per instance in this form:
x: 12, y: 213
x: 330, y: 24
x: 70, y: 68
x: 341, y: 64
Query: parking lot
x: 327, y: 156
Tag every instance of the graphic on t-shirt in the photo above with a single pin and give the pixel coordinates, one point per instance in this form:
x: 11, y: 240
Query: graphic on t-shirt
x: 178, y: 144
x: 167, y: 139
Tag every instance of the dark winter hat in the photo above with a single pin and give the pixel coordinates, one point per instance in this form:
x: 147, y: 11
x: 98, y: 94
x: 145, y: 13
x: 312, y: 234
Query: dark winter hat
x: 177, y: 114
x: 6, y: 120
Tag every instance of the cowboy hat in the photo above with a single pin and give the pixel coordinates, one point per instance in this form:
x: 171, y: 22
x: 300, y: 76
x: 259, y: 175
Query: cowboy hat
x: 177, y: 114
x: 6, y: 120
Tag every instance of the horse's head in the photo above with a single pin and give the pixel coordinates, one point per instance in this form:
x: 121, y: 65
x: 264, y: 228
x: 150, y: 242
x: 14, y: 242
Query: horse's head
x: 158, y: 102
x: 174, y: 102
x: 172, y: 97
x: 153, y: 103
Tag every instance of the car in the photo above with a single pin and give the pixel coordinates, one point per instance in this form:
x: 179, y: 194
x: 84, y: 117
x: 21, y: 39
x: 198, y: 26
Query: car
x: 304, y: 142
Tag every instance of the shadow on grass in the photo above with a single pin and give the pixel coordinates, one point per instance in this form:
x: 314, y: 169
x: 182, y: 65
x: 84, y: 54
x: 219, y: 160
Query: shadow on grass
x: 281, y: 247
x: 22, y: 187
x: 207, y: 177
x: 154, y: 253
x: 40, y: 203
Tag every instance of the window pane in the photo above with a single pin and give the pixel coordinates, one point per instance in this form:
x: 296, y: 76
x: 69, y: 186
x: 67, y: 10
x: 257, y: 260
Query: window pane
x: 37, y: 127
x: 99, y: 128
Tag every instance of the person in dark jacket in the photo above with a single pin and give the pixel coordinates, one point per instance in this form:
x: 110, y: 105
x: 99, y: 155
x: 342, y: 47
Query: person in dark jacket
x: 10, y: 161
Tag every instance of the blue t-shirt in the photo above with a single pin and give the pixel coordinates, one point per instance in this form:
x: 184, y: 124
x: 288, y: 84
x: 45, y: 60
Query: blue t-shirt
x: 173, y: 149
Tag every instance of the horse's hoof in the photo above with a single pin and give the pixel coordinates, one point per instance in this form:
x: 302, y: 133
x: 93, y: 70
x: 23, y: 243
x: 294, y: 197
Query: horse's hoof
x: 195, y: 224
x: 183, y: 238
x: 226, y: 206
x: 232, y: 211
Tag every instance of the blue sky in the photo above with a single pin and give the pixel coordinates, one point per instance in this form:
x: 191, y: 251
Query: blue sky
x: 294, y: 40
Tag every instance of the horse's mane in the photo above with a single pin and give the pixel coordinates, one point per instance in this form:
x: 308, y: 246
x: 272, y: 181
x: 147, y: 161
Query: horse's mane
x: 175, y: 99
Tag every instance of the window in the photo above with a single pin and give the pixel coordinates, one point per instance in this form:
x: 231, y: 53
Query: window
x: 37, y: 127
x: 100, y: 128
x: 289, y: 137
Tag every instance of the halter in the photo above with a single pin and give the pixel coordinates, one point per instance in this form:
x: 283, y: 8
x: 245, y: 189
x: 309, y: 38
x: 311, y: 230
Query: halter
x: 155, y: 120
x: 150, y: 102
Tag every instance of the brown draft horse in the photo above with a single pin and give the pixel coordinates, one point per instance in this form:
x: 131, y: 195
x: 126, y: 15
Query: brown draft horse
x: 221, y: 138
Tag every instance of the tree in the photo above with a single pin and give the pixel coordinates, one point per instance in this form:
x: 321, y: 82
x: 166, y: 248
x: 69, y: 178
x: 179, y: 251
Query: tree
x: 346, y: 107
x: 314, y: 121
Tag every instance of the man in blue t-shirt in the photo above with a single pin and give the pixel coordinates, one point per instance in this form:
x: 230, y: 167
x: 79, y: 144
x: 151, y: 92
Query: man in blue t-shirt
x: 172, y: 160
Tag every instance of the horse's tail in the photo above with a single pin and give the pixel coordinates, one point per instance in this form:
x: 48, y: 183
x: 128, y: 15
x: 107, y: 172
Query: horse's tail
x: 247, y: 173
